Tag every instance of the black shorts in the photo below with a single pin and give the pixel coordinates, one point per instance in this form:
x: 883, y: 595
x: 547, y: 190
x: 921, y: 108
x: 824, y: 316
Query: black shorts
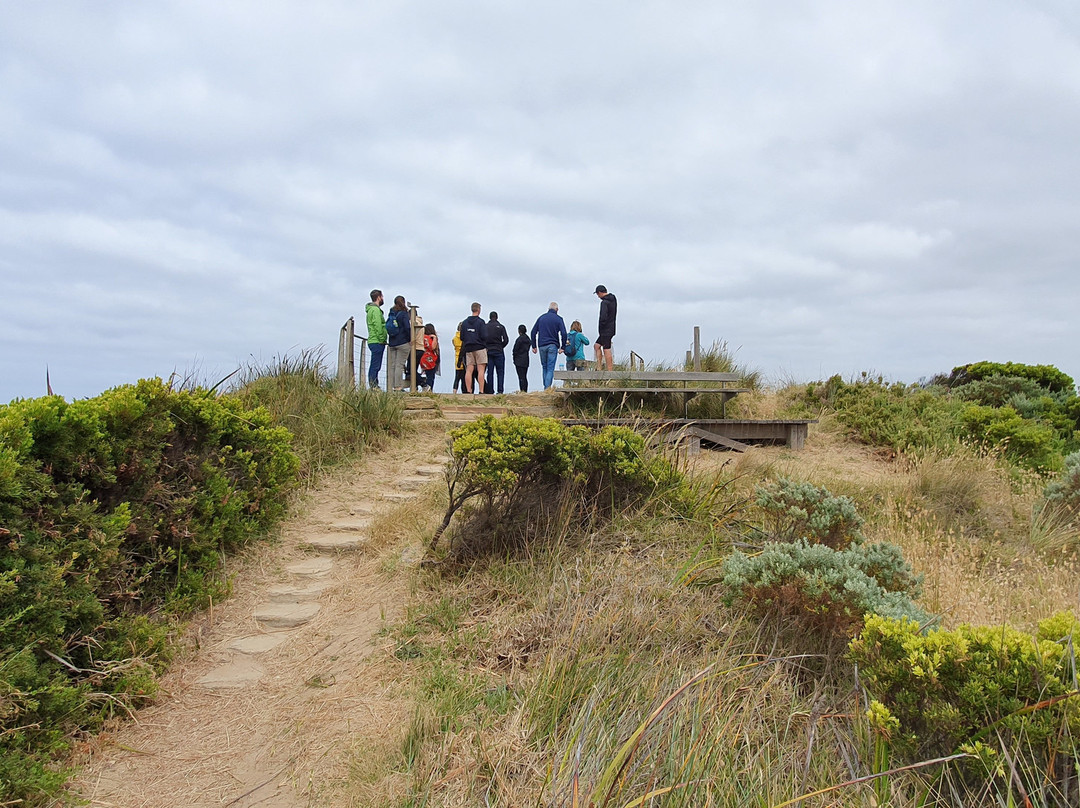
x: 604, y: 341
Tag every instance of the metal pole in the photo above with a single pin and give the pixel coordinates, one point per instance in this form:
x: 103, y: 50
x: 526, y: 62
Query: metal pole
x: 697, y: 348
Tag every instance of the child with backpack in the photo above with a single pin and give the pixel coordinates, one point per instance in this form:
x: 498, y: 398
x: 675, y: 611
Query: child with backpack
x: 574, y: 350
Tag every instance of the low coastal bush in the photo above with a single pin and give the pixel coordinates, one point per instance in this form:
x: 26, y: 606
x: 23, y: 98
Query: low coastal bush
x: 825, y: 591
x: 1027, y: 414
x: 1063, y: 492
x: 519, y: 476
x: 801, y: 510
x: 113, y: 509
x: 1005, y: 697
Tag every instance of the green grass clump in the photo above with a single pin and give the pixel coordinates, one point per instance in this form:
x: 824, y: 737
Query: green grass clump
x: 329, y: 423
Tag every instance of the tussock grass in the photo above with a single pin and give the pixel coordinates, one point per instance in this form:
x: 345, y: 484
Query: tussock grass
x: 329, y: 423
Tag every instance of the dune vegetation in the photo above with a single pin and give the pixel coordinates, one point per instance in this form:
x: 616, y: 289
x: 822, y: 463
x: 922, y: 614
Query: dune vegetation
x: 885, y: 618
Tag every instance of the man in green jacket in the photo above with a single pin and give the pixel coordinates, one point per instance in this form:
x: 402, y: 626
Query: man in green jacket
x: 376, y: 337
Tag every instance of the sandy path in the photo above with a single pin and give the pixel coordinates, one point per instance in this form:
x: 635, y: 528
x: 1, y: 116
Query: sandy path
x: 274, y: 716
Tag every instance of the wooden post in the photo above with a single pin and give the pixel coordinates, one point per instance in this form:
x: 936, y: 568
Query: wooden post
x: 697, y: 348
x: 346, y: 369
x: 362, y: 376
x: 689, y: 358
x: 412, y: 351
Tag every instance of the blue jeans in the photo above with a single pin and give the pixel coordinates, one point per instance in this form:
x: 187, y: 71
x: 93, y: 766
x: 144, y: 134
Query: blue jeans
x: 548, y: 355
x: 496, y: 364
x: 375, y: 365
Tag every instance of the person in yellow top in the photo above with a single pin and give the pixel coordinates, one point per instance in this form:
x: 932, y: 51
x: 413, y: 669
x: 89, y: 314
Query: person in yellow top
x: 459, y: 361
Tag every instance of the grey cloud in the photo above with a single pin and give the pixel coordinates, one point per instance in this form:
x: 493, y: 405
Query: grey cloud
x: 832, y: 187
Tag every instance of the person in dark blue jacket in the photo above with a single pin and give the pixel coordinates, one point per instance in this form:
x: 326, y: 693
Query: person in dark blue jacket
x: 474, y: 348
x: 398, y: 342
x: 548, y: 337
x: 497, y: 340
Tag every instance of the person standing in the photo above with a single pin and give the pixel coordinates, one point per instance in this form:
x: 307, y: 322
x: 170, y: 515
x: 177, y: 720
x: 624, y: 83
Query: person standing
x: 548, y: 337
x: 474, y: 346
x: 575, y: 347
x: 496, y: 342
x: 459, y: 361
x: 605, y: 329
x: 399, y: 343
x: 376, y: 337
x: 416, y: 323
x: 430, y: 359
x: 520, y: 354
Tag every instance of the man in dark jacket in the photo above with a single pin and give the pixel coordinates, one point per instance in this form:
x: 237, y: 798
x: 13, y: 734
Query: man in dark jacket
x: 605, y: 330
x: 474, y: 348
x: 548, y: 337
x: 497, y: 340
x: 521, y: 358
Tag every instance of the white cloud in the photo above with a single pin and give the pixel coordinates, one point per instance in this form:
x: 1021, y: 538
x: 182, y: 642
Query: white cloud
x: 833, y: 187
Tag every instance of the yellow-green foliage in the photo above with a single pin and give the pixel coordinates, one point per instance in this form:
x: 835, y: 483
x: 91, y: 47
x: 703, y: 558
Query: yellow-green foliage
x: 948, y: 690
x: 110, y: 508
x: 522, y: 468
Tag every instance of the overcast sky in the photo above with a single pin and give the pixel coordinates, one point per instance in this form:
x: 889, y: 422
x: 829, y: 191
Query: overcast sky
x: 830, y: 187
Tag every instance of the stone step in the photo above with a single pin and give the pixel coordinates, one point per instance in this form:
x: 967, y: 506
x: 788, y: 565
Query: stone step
x: 286, y: 615
x: 359, y: 525
x: 433, y: 470
x: 314, y: 567
x: 234, y: 675
x: 287, y: 593
x: 398, y: 496
x: 334, y: 542
x: 412, y: 483
x: 257, y: 643
x: 361, y: 509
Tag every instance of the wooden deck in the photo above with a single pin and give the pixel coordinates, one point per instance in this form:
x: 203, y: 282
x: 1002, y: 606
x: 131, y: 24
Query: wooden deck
x: 727, y: 433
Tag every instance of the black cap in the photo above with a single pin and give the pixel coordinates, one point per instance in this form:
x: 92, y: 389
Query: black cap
x: 600, y: 288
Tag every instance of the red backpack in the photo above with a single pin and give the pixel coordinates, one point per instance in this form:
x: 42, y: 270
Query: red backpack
x: 429, y: 358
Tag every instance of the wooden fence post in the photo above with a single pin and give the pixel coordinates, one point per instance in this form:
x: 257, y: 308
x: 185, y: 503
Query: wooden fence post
x: 413, y: 311
x: 697, y: 348
x: 346, y: 367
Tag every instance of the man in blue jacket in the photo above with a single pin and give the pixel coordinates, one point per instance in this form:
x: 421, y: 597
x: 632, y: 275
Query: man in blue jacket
x: 548, y: 337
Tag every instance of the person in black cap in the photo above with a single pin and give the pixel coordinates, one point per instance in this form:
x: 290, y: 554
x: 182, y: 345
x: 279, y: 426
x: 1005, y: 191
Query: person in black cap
x: 606, y: 328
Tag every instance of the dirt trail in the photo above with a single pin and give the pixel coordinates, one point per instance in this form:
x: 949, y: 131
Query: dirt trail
x: 282, y: 695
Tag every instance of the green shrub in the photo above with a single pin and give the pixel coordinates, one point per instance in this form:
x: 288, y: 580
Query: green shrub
x: 1046, y: 376
x: 110, y: 508
x: 897, y: 416
x: 828, y: 591
x: 796, y: 510
x: 329, y: 423
x: 1027, y: 443
x: 993, y: 691
x: 1063, y: 492
x: 522, y: 470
